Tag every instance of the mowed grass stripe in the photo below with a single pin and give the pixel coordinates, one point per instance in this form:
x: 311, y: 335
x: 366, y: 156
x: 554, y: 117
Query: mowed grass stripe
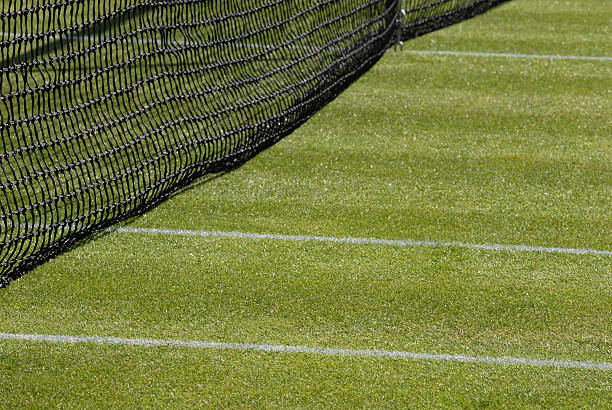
x: 572, y: 27
x: 166, y: 377
x: 360, y: 241
x: 454, y: 301
x: 328, y: 351
x: 432, y: 147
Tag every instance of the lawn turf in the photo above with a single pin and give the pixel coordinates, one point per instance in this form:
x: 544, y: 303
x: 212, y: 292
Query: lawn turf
x: 493, y: 150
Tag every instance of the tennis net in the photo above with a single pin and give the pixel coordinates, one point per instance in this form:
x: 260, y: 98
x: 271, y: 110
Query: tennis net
x: 107, y: 107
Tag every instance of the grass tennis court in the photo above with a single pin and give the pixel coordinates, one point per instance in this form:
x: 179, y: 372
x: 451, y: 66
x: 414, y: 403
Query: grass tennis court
x: 478, y: 150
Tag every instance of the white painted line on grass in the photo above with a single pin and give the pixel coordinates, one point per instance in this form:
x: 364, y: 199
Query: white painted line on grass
x: 361, y: 241
x: 326, y: 351
x: 510, y: 55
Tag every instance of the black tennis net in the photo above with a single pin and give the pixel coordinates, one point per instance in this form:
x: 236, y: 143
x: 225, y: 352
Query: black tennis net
x: 424, y: 16
x: 107, y: 107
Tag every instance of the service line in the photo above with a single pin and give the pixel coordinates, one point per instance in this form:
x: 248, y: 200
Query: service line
x: 325, y: 351
x: 361, y: 241
x: 510, y: 55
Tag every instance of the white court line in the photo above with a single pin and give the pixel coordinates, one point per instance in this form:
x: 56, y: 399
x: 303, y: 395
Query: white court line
x: 510, y: 55
x: 373, y: 241
x: 326, y: 351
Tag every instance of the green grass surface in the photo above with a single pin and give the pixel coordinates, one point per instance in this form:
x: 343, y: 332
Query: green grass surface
x: 482, y: 150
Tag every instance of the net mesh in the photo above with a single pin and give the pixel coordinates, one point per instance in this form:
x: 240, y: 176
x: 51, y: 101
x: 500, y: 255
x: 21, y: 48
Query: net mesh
x: 424, y: 16
x: 108, y: 107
